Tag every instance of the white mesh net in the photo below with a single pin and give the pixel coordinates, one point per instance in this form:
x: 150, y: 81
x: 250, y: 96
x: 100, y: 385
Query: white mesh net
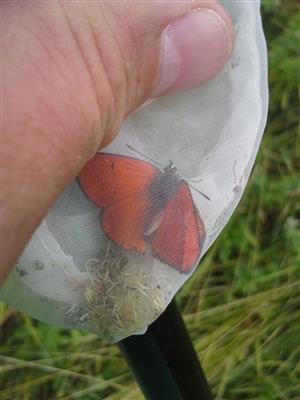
x: 123, y: 237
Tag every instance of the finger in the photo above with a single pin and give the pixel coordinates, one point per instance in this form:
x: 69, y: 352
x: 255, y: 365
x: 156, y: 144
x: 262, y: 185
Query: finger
x: 72, y: 72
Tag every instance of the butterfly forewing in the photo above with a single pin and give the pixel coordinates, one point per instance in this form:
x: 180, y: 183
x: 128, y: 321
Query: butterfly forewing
x: 179, y: 238
x: 108, y: 178
x: 118, y: 184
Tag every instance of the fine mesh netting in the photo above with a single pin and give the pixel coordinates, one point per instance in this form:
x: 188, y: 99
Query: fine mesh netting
x: 128, y: 232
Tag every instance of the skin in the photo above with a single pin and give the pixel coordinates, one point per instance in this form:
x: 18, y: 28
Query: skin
x: 55, y: 113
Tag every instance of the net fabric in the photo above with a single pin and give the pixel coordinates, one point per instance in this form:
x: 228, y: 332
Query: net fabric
x: 110, y: 260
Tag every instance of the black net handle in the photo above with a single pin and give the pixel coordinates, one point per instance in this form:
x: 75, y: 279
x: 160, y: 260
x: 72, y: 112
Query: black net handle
x: 164, y: 361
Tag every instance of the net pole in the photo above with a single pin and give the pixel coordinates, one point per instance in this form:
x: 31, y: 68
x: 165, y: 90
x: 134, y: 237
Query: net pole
x: 164, y: 361
x: 149, y: 367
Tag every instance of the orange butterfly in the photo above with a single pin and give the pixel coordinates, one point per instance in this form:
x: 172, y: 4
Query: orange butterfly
x: 143, y: 206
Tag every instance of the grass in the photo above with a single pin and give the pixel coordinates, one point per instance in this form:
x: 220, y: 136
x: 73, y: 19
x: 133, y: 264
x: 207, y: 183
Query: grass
x: 241, y: 307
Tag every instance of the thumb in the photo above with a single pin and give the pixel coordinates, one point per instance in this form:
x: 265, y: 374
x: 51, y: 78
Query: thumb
x: 73, y: 71
x: 166, y: 47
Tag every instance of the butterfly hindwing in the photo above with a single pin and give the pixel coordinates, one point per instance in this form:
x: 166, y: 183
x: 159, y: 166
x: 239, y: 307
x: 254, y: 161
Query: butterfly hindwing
x: 179, y: 238
x: 124, y: 220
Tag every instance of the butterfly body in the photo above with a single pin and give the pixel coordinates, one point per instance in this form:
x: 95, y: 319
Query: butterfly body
x: 165, y: 183
x: 160, y: 189
x: 144, y: 207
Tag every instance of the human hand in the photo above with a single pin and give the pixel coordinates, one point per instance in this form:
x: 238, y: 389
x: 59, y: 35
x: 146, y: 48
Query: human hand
x: 72, y: 72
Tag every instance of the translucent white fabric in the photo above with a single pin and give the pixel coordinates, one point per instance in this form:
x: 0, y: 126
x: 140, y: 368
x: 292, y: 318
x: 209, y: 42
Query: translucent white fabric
x: 102, y: 263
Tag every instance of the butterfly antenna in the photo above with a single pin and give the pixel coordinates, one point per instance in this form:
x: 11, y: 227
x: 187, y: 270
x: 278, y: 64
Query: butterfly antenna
x: 198, y: 191
x: 144, y: 155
